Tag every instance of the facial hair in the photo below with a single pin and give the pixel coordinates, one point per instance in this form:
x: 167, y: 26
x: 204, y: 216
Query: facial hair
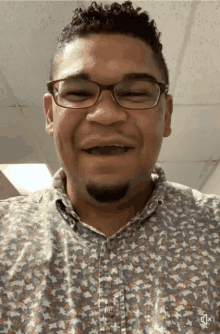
x: 107, y: 194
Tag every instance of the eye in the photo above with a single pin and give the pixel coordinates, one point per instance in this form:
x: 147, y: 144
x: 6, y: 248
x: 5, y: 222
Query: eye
x: 78, y: 93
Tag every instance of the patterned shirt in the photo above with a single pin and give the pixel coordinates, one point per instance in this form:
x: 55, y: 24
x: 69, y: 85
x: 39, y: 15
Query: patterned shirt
x: 160, y: 273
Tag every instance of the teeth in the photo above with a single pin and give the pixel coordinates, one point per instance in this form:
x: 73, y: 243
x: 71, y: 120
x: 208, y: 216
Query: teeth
x: 110, y: 146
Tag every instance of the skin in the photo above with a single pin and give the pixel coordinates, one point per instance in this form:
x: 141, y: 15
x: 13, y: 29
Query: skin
x: 108, y: 196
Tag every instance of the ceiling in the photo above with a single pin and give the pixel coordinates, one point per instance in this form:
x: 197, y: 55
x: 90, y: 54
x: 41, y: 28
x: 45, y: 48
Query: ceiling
x: 191, y: 47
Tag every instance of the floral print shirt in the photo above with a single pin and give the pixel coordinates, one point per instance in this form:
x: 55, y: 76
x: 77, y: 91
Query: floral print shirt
x: 160, y: 273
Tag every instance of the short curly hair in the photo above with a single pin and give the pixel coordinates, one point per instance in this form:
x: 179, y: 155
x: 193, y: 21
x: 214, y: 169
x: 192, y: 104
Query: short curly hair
x: 115, y: 18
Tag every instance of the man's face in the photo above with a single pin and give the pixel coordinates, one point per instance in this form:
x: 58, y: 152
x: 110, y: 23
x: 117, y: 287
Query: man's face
x: 101, y: 182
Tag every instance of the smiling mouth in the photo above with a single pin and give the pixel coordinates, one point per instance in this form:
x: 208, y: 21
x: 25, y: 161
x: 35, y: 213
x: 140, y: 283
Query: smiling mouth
x: 108, y: 150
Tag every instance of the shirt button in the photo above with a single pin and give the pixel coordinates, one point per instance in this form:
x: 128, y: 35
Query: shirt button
x: 111, y: 310
x: 110, y: 245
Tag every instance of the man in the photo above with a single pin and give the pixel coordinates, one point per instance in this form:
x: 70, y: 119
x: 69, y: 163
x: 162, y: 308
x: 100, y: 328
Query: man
x: 111, y: 247
x: 108, y: 190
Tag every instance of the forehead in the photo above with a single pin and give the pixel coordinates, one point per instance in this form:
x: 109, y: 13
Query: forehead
x: 107, y: 58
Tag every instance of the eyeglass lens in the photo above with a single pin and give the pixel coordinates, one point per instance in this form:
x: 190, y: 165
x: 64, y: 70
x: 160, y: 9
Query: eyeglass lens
x: 139, y: 94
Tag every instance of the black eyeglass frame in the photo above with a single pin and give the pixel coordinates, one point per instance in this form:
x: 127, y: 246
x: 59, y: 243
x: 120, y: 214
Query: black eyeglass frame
x: 164, y: 88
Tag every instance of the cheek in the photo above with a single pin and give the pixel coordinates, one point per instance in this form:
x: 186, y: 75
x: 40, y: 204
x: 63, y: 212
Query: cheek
x: 151, y: 130
x: 149, y: 124
x: 66, y: 126
x: 144, y: 121
x: 159, y: 128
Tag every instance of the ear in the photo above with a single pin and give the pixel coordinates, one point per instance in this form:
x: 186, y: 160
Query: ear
x: 168, y: 114
x: 48, y: 113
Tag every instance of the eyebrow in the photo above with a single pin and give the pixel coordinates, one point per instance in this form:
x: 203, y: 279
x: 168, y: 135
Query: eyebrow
x: 128, y: 76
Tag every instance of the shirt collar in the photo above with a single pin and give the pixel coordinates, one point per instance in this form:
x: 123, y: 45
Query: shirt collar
x: 58, y: 187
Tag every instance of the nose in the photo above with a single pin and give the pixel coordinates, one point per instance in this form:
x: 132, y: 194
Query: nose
x: 106, y: 111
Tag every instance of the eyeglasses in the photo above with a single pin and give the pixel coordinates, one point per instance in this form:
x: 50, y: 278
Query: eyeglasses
x: 77, y: 93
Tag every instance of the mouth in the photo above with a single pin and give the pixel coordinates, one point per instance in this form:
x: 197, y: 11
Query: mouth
x: 108, y: 150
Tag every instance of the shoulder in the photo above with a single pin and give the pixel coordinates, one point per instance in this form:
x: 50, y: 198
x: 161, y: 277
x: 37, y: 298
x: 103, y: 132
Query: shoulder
x: 12, y: 209
x: 193, y: 201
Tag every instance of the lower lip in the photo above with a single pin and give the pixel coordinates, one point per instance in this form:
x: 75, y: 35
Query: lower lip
x: 110, y: 158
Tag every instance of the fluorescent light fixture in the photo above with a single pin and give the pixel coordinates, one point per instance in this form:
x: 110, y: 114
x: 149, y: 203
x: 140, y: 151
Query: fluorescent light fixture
x: 27, y: 178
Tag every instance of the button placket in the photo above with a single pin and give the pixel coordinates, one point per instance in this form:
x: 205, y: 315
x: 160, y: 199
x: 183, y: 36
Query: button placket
x: 110, y: 288
x: 110, y: 246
